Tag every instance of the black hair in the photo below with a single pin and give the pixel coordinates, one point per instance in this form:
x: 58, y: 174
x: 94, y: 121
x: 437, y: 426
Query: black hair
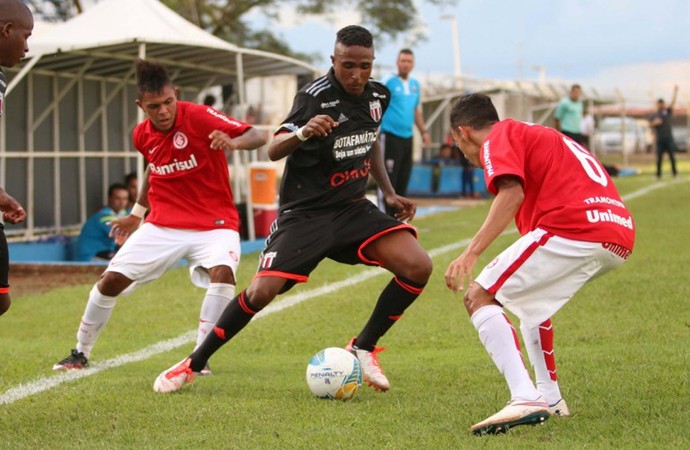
x: 354, y: 35
x: 406, y: 51
x: 130, y: 176
x: 151, y: 76
x: 116, y: 187
x: 474, y: 110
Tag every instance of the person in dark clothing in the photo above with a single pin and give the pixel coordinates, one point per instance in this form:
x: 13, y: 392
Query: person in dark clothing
x: 661, y: 122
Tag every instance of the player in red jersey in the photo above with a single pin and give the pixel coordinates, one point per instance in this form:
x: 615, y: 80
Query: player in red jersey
x: 574, y: 228
x: 192, y: 212
x: 16, y: 24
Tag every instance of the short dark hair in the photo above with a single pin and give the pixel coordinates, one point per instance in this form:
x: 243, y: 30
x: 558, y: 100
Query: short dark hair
x: 405, y: 51
x: 151, y: 76
x: 575, y: 86
x: 130, y: 176
x: 116, y: 187
x: 473, y: 110
x: 355, y: 35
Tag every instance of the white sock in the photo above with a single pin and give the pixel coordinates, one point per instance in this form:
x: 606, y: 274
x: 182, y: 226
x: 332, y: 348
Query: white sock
x: 539, y: 345
x: 500, y: 340
x: 218, y: 295
x: 96, y: 315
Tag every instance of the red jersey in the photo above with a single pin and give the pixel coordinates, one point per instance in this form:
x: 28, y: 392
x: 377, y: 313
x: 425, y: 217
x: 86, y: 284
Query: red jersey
x: 189, y: 185
x: 567, y: 190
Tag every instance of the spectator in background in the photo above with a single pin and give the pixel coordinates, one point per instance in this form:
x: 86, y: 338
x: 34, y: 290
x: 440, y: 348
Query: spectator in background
x: 467, y: 175
x: 660, y: 121
x: 132, y: 184
x: 404, y: 111
x: 587, y: 127
x: 210, y: 100
x: 95, y: 243
x: 16, y: 25
x: 568, y: 115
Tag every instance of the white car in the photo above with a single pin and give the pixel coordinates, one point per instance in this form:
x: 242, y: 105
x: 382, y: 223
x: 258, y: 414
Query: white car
x: 616, y: 134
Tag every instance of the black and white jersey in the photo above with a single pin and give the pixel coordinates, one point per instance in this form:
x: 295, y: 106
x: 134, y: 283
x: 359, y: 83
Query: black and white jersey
x: 3, y: 88
x: 327, y: 171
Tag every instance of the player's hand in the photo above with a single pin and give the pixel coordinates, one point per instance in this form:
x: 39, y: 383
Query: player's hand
x: 123, y: 227
x: 221, y: 141
x: 15, y: 215
x: 459, y: 272
x: 320, y: 125
x: 406, y: 208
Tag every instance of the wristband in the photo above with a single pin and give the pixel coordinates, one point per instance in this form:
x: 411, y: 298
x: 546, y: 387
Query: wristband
x: 300, y: 135
x: 139, y: 210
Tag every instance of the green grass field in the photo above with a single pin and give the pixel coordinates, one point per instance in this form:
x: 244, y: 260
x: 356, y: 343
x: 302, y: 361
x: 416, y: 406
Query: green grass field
x: 621, y: 345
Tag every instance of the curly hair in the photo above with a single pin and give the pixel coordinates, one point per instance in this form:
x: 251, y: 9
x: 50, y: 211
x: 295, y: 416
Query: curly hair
x: 151, y: 76
x: 354, y: 35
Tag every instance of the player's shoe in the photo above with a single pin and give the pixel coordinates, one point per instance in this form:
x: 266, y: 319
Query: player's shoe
x: 513, y: 414
x: 371, y: 368
x: 560, y: 409
x: 76, y: 360
x: 206, y: 371
x: 174, y: 378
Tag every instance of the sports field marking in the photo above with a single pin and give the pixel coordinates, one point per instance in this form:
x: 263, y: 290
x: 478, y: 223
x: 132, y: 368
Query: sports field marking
x: 45, y: 383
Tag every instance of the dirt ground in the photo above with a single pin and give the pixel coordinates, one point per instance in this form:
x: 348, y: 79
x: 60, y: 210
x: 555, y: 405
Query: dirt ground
x: 27, y: 279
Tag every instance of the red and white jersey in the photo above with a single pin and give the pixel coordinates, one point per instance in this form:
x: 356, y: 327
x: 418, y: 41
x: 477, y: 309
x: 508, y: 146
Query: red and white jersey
x: 567, y: 190
x: 189, y: 185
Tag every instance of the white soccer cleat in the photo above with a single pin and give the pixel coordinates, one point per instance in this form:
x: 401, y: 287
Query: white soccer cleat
x: 371, y: 368
x: 513, y: 414
x: 560, y: 409
x: 175, y: 377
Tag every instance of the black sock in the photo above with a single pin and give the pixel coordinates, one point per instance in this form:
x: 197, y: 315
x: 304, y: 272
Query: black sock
x: 236, y: 316
x: 394, y: 300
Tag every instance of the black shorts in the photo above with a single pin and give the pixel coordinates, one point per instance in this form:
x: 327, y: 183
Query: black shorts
x: 4, y: 263
x: 300, y: 240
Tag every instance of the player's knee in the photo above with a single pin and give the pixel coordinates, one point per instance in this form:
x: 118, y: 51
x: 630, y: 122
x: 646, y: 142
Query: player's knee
x: 419, y: 269
x: 5, y: 303
x: 476, y: 297
x: 113, y: 283
x: 261, y: 293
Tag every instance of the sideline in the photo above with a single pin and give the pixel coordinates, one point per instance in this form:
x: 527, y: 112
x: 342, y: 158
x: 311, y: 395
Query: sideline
x: 45, y: 383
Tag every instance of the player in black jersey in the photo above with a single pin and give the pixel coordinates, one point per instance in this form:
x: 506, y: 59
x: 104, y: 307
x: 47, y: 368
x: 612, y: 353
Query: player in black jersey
x: 16, y: 24
x: 330, y: 141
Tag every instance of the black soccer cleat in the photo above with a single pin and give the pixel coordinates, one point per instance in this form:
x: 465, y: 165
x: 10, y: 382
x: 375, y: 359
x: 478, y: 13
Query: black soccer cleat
x: 76, y: 360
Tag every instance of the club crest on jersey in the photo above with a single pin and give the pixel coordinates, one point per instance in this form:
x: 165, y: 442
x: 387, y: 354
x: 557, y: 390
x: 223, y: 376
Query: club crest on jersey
x: 180, y: 140
x: 375, y: 110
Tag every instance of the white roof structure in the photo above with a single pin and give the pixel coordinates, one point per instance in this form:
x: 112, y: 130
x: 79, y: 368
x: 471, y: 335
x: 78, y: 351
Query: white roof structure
x: 105, y: 39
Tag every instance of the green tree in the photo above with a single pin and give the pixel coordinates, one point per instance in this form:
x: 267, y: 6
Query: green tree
x: 227, y: 19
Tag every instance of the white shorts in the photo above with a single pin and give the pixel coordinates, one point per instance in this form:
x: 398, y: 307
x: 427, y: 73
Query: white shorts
x: 540, y: 272
x: 152, y: 250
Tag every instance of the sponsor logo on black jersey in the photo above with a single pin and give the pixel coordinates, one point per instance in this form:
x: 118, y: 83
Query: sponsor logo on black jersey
x: 353, y: 145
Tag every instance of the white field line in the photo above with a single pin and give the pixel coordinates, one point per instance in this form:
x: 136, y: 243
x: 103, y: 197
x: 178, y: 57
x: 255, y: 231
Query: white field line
x: 45, y: 383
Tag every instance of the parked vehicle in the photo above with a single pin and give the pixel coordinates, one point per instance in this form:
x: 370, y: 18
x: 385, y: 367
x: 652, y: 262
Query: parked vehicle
x: 680, y: 135
x: 615, y: 134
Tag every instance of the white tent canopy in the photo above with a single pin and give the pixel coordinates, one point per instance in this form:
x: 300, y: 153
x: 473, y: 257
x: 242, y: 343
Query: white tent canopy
x: 114, y: 32
x: 70, y: 105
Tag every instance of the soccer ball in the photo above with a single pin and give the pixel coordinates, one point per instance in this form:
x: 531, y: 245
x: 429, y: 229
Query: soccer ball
x: 334, y: 373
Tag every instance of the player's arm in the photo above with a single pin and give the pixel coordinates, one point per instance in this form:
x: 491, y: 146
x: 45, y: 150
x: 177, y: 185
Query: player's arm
x: 406, y: 208
x: 419, y: 121
x: 249, y: 140
x: 502, y: 212
x: 674, y: 97
x: 285, y: 144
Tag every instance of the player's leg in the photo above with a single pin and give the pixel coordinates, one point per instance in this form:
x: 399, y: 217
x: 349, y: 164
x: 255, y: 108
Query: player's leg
x: 659, y: 156
x: 239, y: 312
x: 501, y: 343
x: 146, y: 255
x: 4, y: 274
x: 540, y: 349
x: 672, y: 156
x: 214, y: 257
x: 405, y: 166
x: 400, y: 253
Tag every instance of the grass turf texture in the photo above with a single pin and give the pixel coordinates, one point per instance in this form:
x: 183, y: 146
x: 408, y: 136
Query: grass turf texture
x: 621, y: 346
